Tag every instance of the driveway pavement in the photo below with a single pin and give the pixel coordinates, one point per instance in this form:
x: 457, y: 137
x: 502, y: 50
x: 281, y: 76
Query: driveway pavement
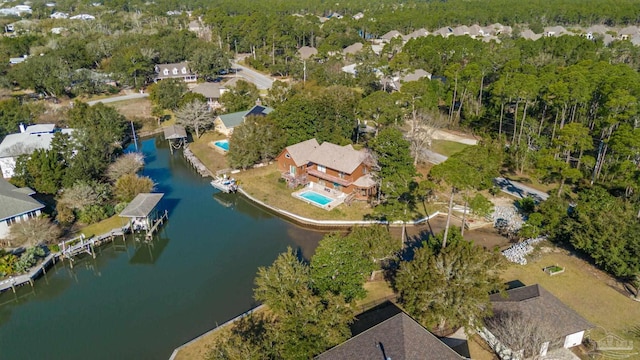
x: 520, y: 190
x: 261, y: 81
x: 118, y: 98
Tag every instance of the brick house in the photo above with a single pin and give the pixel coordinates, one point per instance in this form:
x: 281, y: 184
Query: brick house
x: 340, y: 168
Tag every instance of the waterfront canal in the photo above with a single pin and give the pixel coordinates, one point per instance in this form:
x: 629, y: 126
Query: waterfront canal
x: 138, y: 301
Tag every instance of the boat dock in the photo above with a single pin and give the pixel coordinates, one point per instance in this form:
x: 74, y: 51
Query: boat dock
x: 15, y: 281
x: 79, y: 245
x: 195, y: 162
x: 156, y: 225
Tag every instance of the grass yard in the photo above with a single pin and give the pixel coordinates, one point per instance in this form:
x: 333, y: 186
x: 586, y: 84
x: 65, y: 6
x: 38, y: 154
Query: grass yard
x: 102, y: 227
x: 133, y: 109
x: 446, y: 147
x: 211, y: 158
x: 262, y: 183
x: 583, y: 288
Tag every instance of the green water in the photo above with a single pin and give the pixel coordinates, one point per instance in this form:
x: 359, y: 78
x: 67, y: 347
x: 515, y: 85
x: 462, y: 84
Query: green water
x: 137, y: 301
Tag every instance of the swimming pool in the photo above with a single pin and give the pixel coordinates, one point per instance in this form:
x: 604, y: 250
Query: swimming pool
x: 222, y: 144
x: 314, y: 197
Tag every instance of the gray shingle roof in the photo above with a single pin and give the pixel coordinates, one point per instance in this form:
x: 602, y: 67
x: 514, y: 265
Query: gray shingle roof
x: 234, y: 119
x: 535, y: 301
x: 391, y: 34
x: 174, y: 132
x: 141, y: 205
x: 300, y: 152
x: 306, y: 52
x: 336, y: 157
x: 15, y: 201
x: 24, y: 143
x: 352, y: 49
x: 178, y: 67
x: 398, y: 338
x: 208, y: 90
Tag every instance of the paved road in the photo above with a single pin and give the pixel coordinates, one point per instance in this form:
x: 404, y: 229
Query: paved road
x: 520, y: 190
x: 510, y: 187
x: 263, y: 82
x: 118, y: 98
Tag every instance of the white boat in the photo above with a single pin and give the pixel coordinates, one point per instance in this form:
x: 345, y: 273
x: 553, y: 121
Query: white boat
x: 225, y: 184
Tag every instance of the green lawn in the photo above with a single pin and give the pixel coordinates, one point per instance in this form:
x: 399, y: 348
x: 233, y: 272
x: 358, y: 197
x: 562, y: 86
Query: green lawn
x: 582, y: 287
x: 211, y: 158
x: 102, y: 227
x: 446, y: 147
x: 262, y: 183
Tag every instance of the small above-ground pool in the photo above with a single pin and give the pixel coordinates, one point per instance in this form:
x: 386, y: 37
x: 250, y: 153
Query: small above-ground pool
x: 222, y: 144
x: 316, y: 198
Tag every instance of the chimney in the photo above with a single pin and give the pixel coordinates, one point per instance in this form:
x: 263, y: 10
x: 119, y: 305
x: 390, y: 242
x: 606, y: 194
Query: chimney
x: 258, y: 102
x: 22, y: 128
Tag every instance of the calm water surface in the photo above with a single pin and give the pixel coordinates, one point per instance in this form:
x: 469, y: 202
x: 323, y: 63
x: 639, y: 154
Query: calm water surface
x: 137, y: 301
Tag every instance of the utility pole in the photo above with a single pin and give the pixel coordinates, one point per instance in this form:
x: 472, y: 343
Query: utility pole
x: 304, y: 72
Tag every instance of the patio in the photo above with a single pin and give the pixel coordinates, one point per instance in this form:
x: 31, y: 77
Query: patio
x: 320, y: 196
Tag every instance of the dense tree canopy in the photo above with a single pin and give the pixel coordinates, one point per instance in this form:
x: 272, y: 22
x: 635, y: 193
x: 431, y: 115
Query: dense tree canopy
x: 449, y: 286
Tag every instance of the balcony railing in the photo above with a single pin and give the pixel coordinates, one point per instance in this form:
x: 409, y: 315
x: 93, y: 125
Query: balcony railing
x: 325, y: 176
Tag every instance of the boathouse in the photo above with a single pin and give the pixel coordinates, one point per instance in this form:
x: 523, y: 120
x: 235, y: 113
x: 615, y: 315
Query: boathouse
x: 143, y: 213
x: 176, y: 135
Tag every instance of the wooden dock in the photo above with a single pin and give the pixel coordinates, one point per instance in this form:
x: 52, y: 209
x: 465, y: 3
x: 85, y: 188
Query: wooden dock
x: 156, y: 225
x: 68, y: 250
x: 195, y: 162
x: 15, y: 281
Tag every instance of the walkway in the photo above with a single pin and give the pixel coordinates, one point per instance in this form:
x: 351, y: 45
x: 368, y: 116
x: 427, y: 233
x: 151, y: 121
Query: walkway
x: 19, y: 280
x: 118, y: 98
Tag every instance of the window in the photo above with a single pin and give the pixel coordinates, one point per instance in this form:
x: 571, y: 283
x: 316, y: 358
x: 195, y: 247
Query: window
x: 166, y: 71
x: 184, y: 70
x: 287, y: 156
x: 175, y: 71
x: 11, y: 221
x: 322, y: 169
x: 341, y: 175
x: 337, y: 186
x: 321, y: 182
x: 364, y: 170
x: 292, y: 169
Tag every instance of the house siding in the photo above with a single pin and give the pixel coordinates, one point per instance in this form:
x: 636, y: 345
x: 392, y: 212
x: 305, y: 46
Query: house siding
x: 4, y: 223
x: 219, y: 127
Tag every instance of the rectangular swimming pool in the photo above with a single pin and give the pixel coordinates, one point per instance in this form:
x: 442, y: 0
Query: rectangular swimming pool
x: 222, y: 144
x: 315, y: 197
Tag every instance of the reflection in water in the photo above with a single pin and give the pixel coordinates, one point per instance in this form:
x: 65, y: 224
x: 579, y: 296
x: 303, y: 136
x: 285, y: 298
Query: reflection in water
x: 148, y: 253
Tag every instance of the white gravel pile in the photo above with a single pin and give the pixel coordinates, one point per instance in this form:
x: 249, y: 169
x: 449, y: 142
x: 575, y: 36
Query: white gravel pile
x: 517, y: 252
x: 507, y: 219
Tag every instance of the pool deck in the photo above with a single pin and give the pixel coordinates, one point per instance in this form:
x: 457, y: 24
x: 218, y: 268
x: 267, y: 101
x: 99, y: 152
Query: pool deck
x: 337, y: 197
x: 218, y: 148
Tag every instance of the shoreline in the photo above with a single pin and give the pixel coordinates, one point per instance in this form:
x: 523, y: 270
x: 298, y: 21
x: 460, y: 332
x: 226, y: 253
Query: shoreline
x: 314, y: 224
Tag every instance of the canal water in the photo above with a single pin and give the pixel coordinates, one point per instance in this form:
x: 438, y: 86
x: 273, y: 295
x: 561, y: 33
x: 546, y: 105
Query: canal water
x: 138, y: 301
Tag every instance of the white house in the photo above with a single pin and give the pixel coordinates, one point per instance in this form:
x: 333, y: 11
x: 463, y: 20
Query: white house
x: 17, y: 206
x: 25, y: 142
x: 534, y: 303
x: 176, y: 71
